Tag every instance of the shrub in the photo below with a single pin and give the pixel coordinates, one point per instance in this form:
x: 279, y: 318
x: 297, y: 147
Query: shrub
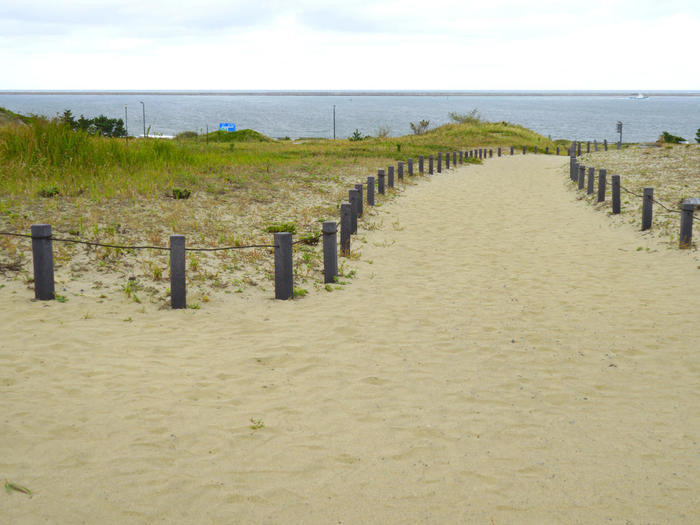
x: 421, y: 127
x: 279, y: 227
x: 472, y: 117
x: 187, y: 135
x: 697, y: 136
x: 356, y: 135
x: 670, y: 139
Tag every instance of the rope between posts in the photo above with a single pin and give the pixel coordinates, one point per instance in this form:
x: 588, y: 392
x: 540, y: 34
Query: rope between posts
x: 608, y: 183
x: 124, y: 247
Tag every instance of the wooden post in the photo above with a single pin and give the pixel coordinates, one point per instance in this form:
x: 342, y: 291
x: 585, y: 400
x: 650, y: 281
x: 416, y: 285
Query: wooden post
x: 390, y: 176
x: 616, y: 194
x: 447, y: 160
x: 360, y: 207
x: 605, y: 144
x: 591, y: 181
x: 512, y: 150
x: 431, y: 161
x: 461, y: 159
x: 353, y: 197
x: 535, y: 150
x: 380, y: 181
x: 602, y: 176
x: 595, y: 145
x: 42, y: 257
x: 178, y: 284
x: 686, y: 236
x: 370, y: 191
x: 410, y: 167
x: 499, y: 151
x: 284, y: 264
x: 524, y: 150
x: 345, y: 213
x: 421, y: 164
x: 490, y: 153
x: 581, y: 177
x: 546, y: 150
x: 573, y: 169
x: 557, y: 150
x: 330, y: 252
x: 647, y: 208
x: 454, y: 158
x: 588, y: 146
x: 400, y: 170
x: 439, y: 162
x: 578, y: 147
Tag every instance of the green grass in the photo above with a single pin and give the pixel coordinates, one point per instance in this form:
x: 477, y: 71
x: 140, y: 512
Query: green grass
x: 42, y: 154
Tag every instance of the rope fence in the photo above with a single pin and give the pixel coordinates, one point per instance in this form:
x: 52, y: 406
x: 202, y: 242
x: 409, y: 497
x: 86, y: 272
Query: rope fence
x: 350, y: 212
x: 577, y: 174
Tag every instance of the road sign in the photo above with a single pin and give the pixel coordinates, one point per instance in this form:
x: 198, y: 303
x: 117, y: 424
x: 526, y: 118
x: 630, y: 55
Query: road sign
x: 227, y: 126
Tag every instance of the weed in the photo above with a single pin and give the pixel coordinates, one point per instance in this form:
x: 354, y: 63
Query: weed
x: 279, y: 227
x: 193, y: 306
x: 256, y: 424
x: 299, y: 292
x: 60, y: 298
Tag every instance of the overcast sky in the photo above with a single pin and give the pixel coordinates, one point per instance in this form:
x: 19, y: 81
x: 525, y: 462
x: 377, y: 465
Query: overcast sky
x: 354, y: 44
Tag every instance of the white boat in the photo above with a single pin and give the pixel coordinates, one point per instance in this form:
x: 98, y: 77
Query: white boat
x: 639, y: 97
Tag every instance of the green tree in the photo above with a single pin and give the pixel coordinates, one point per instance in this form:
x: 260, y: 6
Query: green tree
x: 697, y: 136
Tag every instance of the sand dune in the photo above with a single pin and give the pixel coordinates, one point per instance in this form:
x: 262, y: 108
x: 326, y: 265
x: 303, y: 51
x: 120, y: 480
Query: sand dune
x: 505, y: 355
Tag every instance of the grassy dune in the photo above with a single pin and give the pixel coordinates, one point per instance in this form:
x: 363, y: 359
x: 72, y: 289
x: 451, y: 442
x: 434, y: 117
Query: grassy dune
x: 114, y: 191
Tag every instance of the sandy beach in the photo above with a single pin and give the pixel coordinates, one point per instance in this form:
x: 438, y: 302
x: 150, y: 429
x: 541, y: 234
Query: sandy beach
x: 505, y: 354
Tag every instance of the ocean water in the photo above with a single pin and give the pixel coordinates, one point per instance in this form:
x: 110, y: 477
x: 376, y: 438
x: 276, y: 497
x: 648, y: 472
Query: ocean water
x: 582, y: 116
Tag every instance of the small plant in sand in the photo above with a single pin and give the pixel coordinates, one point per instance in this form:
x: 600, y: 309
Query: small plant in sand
x: 299, y: 292
x: 11, y: 487
x: 256, y: 424
x: 279, y: 227
x: 181, y: 193
x: 48, y: 191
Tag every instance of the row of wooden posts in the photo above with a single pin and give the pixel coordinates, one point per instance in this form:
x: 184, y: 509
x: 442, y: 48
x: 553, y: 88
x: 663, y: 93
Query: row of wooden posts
x: 42, y: 250
x: 577, y: 173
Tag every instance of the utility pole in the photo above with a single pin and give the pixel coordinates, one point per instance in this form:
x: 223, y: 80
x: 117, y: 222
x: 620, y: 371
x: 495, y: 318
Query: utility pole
x: 619, y: 130
x: 143, y: 106
x: 333, y: 121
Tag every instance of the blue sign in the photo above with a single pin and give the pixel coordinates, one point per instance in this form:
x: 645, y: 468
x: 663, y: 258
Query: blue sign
x: 228, y: 126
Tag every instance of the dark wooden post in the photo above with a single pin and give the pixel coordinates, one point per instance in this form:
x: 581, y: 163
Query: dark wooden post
x: 578, y: 148
x: 686, y: 237
x: 605, y: 144
x: 581, y: 177
x: 557, y: 150
x: 454, y: 158
x: 178, y: 284
x: 588, y: 146
x: 353, y: 198
x: 42, y: 257
x: 591, y: 181
x: 330, y: 251
x: 595, y: 145
x: 499, y: 151
x: 421, y: 164
x: 447, y: 160
x: 573, y: 169
x: 370, y: 191
x: 439, y: 162
x: 647, y: 208
x: 602, y: 181
x: 284, y: 264
x: 360, y: 206
x: 345, y: 227
x: 399, y: 170
x: 512, y: 150
x: 410, y: 167
x: 380, y: 181
x: 546, y: 150
x: 524, y: 150
x: 616, y: 194
x: 535, y: 150
x: 431, y: 161
x: 390, y: 176
x: 490, y: 153
x: 461, y: 159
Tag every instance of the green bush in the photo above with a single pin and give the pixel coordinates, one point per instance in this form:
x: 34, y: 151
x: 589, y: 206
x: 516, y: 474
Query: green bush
x: 670, y: 139
x: 697, y: 136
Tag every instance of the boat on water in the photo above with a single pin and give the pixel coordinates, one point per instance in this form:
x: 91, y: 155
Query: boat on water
x: 639, y: 96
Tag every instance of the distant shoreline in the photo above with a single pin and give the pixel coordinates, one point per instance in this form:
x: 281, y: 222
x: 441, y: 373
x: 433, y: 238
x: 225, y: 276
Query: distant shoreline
x: 340, y: 93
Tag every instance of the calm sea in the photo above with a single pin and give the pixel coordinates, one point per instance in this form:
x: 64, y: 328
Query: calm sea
x: 584, y: 116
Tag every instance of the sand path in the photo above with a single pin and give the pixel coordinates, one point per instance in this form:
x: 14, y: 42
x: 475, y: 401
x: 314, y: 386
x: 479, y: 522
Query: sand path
x: 505, y: 355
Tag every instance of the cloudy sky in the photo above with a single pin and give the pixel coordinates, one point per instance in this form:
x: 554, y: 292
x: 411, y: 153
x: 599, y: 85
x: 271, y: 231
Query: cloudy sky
x: 358, y: 44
